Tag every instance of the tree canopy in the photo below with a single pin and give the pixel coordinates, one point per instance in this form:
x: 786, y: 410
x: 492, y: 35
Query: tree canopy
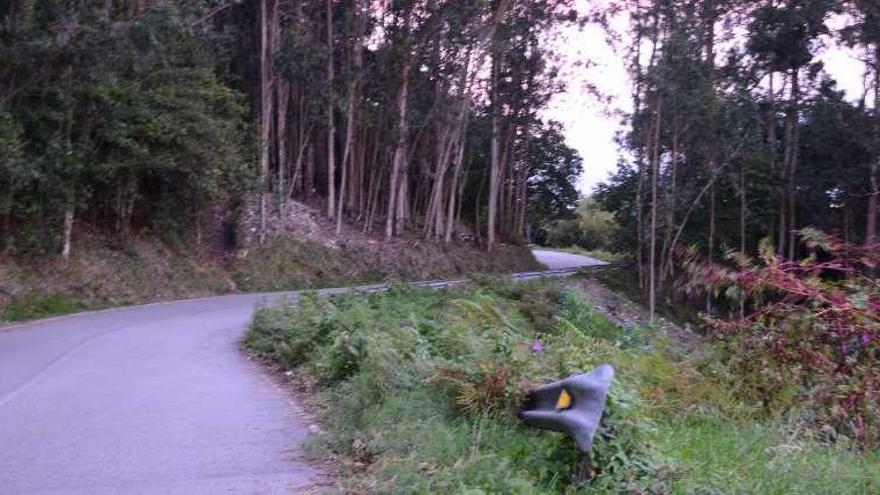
x: 135, y: 116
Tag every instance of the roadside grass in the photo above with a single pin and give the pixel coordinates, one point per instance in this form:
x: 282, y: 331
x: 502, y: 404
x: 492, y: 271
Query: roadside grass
x: 721, y: 456
x: 104, y: 272
x: 34, y: 305
x: 418, y: 391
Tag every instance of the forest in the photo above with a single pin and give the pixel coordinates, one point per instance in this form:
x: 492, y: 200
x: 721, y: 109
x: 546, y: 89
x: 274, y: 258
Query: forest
x: 739, y: 134
x: 416, y: 118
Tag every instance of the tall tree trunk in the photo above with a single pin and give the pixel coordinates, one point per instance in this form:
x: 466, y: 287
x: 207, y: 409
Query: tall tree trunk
x: 742, y: 229
x: 784, y: 200
x: 267, y: 7
x: 348, y: 152
x: 456, y: 172
x: 644, y: 150
x: 400, y: 152
x: 281, y: 90
x: 655, y: 175
x: 772, y: 144
x: 495, y: 160
x: 711, y: 18
x: 871, y: 227
x: 331, y: 125
x: 667, y: 259
x: 793, y: 162
x: 281, y: 141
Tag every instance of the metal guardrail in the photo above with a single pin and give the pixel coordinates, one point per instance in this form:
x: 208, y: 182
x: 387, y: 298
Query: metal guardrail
x: 442, y: 284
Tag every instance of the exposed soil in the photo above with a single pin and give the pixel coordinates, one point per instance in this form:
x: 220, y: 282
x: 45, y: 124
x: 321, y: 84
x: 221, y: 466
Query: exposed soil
x: 301, y: 250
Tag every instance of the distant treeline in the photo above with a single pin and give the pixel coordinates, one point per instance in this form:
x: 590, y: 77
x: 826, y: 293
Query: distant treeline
x: 406, y: 116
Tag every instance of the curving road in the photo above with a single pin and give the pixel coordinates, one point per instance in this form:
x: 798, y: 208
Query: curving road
x: 151, y: 399
x: 558, y: 259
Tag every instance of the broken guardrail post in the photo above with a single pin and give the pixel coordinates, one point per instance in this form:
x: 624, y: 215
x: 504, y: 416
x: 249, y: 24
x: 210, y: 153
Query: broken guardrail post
x: 573, y: 405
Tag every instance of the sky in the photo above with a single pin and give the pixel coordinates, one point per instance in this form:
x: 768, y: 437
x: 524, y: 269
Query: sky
x: 591, y: 124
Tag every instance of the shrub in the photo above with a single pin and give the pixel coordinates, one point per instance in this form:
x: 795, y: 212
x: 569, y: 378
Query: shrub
x: 592, y: 228
x: 809, y: 333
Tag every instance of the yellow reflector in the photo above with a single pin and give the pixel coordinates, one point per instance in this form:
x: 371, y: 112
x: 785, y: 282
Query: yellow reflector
x: 564, y: 401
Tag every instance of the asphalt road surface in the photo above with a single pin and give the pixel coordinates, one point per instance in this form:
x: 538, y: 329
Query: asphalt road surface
x: 557, y: 259
x: 152, y: 399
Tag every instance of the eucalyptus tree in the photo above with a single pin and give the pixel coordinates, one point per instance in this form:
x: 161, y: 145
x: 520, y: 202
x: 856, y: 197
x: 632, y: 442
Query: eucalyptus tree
x: 782, y: 38
x: 865, y: 33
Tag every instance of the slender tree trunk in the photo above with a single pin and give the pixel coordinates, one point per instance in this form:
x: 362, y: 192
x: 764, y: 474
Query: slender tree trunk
x: 772, y: 144
x: 403, y: 206
x: 281, y: 142
x: 495, y: 160
x: 453, y: 186
x: 642, y: 151
x: 793, y: 162
x: 742, y: 229
x: 266, y: 18
x: 710, y: 20
x: 67, y: 232
x: 310, y: 171
x: 787, y: 151
x: 871, y: 227
x: 667, y: 258
x: 348, y: 153
x: 655, y: 175
x: 331, y: 125
x: 400, y: 152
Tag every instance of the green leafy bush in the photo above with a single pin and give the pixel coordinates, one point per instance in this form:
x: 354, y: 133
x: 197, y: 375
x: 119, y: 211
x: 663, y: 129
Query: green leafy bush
x: 591, y: 229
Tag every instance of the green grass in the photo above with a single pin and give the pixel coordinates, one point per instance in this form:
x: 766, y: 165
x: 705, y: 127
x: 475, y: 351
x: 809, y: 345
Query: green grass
x: 722, y: 456
x: 419, y: 389
x: 34, y: 305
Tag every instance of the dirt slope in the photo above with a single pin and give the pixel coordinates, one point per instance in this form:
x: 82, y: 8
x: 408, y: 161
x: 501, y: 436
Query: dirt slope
x: 300, y: 251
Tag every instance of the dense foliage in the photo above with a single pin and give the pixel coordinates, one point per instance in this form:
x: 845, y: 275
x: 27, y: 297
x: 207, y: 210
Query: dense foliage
x: 590, y: 229
x: 738, y: 132
x: 808, y: 334
x: 119, y: 114
x: 168, y: 117
x: 418, y: 391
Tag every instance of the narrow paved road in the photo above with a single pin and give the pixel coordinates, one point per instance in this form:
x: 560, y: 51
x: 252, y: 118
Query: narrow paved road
x: 150, y: 399
x: 558, y: 259
x: 154, y: 399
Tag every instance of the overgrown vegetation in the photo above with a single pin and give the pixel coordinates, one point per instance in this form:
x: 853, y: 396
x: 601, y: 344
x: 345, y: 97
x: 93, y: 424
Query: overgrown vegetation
x: 148, y: 270
x: 739, y: 130
x: 807, y: 337
x: 32, y: 305
x: 418, y: 390
x: 106, y: 275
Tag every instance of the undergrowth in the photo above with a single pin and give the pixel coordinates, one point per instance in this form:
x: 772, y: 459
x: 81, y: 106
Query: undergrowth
x: 33, y: 305
x: 419, y: 390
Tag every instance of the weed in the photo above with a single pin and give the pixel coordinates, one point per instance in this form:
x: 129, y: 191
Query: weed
x: 419, y: 390
x: 33, y: 305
